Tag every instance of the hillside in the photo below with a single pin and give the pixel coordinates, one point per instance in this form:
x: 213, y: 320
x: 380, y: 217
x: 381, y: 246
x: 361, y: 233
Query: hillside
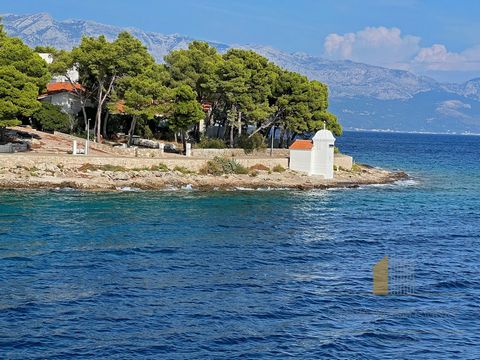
x: 363, y: 96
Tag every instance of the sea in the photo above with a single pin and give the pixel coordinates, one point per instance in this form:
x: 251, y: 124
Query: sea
x: 253, y: 274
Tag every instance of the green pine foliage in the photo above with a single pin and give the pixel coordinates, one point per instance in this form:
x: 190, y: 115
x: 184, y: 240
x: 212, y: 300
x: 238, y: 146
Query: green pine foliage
x: 242, y: 89
x: 50, y: 118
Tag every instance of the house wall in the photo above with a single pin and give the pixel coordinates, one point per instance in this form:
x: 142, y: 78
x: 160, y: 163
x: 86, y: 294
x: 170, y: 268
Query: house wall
x: 67, y: 101
x: 322, y: 158
x: 300, y: 160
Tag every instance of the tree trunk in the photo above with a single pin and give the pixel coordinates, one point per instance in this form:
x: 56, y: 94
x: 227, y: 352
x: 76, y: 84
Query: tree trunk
x: 175, y: 136
x: 105, y: 121
x: 2, y: 135
x: 131, y: 132
x: 239, y: 123
x: 184, y: 142
x: 84, y: 112
x: 98, y: 115
x: 232, y: 128
x: 282, y: 138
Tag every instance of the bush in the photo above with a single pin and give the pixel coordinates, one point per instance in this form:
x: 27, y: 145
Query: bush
x: 183, y: 170
x: 249, y: 145
x: 356, y: 168
x: 278, y: 168
x: 220, y: 166
x: 211, y: 143
x: 159, y: 167
x: 50, y: 118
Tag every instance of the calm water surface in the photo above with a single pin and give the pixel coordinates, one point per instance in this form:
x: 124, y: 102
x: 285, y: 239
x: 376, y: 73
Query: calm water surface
x: 252, y: 274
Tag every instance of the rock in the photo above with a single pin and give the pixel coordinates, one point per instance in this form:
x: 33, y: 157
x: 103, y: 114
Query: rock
x: 120, y: 176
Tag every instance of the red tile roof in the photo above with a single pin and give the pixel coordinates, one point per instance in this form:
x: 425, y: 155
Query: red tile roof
x: 302, y: 145
x: 62, y: 86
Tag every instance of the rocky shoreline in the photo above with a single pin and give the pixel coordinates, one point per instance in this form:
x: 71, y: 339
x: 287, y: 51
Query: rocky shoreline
x: 46, y: 176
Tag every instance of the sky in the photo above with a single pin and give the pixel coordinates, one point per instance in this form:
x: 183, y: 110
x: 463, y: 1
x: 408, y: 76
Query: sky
x: 438, y: 38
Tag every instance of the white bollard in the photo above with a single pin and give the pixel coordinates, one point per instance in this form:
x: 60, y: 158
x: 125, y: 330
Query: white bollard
x: 74, y: 149
x: 161, y: 147
x: 188, y: 150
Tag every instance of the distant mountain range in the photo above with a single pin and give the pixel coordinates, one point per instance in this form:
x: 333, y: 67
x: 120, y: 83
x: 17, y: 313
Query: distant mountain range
x: 363, y: 96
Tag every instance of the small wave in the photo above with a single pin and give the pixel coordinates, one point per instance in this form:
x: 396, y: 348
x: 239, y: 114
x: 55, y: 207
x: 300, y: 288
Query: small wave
x: 187, y: 187
x: 65, y: 189
x: 127, y: 189
x: 407, y: 182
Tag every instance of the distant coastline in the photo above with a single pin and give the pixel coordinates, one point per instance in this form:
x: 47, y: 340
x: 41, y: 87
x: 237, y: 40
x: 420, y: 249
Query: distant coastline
x: 388, y: 131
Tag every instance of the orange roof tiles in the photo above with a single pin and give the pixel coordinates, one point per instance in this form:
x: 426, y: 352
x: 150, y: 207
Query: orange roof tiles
x: 62, y: 86
x: 302, y: 145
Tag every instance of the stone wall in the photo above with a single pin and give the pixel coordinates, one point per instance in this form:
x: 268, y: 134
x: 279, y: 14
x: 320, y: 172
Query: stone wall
x: 70, y: 161
x: 343, y: 161
x: 211, y: 153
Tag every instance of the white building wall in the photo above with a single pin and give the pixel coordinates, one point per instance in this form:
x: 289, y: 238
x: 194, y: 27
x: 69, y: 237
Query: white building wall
x: 300, y: 160
x: 68, y: 102
x: 322, y: 159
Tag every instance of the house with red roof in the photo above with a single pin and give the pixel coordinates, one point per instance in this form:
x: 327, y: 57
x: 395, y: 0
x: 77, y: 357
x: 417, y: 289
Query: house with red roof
x: 63, y: 90
x: 65, y: 95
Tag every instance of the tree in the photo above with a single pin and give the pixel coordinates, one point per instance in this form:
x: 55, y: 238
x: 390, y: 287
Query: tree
x: 103, y: 63
x: 186, y: 111
x: 144, y: 96
x: 63, y: 64
x: 50, y: 118
x: 245, y: 83
x: 197, y: 67
x: 299, y: 106
x: 13, y: 52
x: 22, y: 74
x: 18, y: 97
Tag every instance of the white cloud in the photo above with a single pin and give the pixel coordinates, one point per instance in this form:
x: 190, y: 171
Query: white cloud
x: 437, y: 57
x: 390, y: 48
x: 373, y: 45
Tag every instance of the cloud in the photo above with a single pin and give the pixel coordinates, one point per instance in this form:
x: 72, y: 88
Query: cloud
x: 453, y: 108
x: 374, y: 45
x: 390, y: 48
x: 437, y: 57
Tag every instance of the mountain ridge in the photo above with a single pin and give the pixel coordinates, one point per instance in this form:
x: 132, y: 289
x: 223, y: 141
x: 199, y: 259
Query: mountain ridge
x: 350, y: 83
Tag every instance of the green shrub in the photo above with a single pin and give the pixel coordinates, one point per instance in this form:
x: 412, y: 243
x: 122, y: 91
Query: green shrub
x: 250, y: 144
x: 183, y: 170
x: 220, y: 166
x: 356, y: 168
x: 211, y: 143
x: 160, y: 167
x: 278, y: 168
x: 50, y: 118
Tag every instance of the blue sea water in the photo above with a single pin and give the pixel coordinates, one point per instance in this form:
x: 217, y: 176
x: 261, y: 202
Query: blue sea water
x: 251, y: 274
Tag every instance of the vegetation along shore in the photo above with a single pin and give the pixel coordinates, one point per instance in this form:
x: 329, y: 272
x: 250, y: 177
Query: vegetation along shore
x: 114, y: 95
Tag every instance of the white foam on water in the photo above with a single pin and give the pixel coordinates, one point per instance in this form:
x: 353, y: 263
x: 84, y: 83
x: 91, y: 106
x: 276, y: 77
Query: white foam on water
x: 127, y: 189
x: 407, y: 182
